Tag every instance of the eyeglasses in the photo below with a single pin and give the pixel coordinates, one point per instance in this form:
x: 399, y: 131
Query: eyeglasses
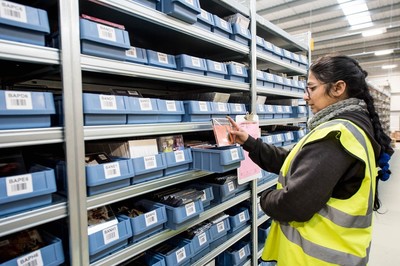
x: 312, y: 88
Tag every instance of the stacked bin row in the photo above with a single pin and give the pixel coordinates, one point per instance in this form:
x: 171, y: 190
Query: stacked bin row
x: 272, y: 81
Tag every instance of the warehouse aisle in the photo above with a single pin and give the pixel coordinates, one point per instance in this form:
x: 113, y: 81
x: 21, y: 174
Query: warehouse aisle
x: 386, y: 233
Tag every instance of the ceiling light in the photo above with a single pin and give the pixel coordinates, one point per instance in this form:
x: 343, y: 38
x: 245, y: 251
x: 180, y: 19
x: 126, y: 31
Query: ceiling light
x: 359, y: 18
x: 389, y: 66
x: 384, y: 52
x: 354, y: 7
x: 373, y: 32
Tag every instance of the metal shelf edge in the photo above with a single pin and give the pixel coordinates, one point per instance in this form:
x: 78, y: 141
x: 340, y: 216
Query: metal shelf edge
x: 268, y: 58
x: 280, y: 92
x: 34, y: 136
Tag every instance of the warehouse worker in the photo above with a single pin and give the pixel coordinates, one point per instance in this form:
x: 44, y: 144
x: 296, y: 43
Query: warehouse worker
x: 327, y: 186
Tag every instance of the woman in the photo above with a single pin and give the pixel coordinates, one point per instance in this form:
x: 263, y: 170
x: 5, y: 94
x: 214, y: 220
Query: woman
x: 327, y: 185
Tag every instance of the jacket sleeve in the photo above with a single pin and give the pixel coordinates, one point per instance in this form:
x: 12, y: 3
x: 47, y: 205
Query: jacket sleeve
x: 315, y: 171
x: 268, y: 157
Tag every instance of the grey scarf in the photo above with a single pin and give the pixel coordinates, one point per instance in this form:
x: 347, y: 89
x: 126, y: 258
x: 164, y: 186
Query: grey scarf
x: 329, y: 112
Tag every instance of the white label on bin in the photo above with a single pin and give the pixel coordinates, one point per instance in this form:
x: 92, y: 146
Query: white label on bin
x: 31, y: 259
x: 203, y: 106
x: 196, y: 62
x: 150, y: 218
x: 204, y: 14
x: 279, y: 109
x: 279, y: 137
x: 108, y: 102
x: 19, y: 184
x: 270, y: 76
x: 234, y: 154
x: 239, y: 70
x: 13, y: 11
x: 106, y: 32
x: 179, y: 156
x: 131, y: 52
x: 21, y: 100
x: 218, y: 66
x: 204, y: 196
x: 220, y: 227
x: 111, y: 170
x: 280, y: 79
x: 171, y: 106
x: 261, y: 107
x: 270, y: 108
x: 269, y: 139
x: 150, y: 162
x: 202, y: 239
x: 190, y: 208
x: 221, y: 107
x: 238, y: 107
x: 145, y: 104
x: 180, y: 254
x: 231, y: 186
x: 242, y: 217
x: 224, y: 24
x: 162, y: 58
x: 288, y: 136
x: 241, y: 253
x: 110, y: 234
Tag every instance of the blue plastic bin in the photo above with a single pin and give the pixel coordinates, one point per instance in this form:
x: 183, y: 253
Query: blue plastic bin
x: 263, y: 231
x: 287, y: 84
x: 185, y: 10
x: 260, y: 43
x: 261, y: 112
x: 219, y: 229
x: 205, y: 20
x: 269, y: 48
x: 178, y: 161
x: 221, y: 27
x: 288, y: 137
x: 236, y: 72
x: 197, y: 111
x: 269, y: 81
x: 237, y: 109
x: 278, y: 139
x: 268, y: 139
x: 279, y: 83
x: 278, y: 51
x: 170, y: 111
x: 208, y: 194
x: 217, y: 160
x: 141, y: 110
x: 136, y: 55
x: 148, y: 168
x: 216, y: 69
x: 100, y: 109
x: 178, y: 216
x: 261, y: 78
x: 279, y: 111
x: 159, y: 59
x: 297, y: 135
x: 24, y: 24
x: 199, y: 242
x: 303, y: 61
x: 240, y: 34
x: 27, y: 191
x: 178, y: 256
x: 287, y: 56
x: 235, y: 256
x: 191, y: 64
x: 223, y: 192
x: 239, y: 218
x: 152, y: 259
x: 103, y: 41
x: 299, y: 111
x: 24, y: 109
x: 219, y: 109
x: 109, y: 176
x: 149, y: 3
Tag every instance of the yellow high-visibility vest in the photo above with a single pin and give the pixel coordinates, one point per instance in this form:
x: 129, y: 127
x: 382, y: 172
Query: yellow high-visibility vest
x: 340, y: 233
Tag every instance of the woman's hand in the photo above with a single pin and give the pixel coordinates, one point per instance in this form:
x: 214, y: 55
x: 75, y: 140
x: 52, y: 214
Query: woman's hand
x: 239, y: 134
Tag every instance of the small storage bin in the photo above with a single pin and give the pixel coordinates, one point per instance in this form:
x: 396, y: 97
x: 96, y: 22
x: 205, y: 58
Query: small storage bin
x: 238, y: 218
x: 216, y: 69
x: 24, y: 109
x: 235, y: 255
x: 217, y: 160
x: 109, y: 240
x: 278, y: 51
x: 278, y: 139
x: 263, y: 231
x: 219, y: 229
x: 288, y: 137
x: 191, y: 64
x: 20, y: 23
x: 279, y: 83
x: 27, y: 191
x: 149, y: 3
x: 297, y: 135
x: 185, y: 10
x: 199, y: 242
x: 170, y: 111
x: 269, y: 111
x: 303, y: 61
x: 236, y: 72
x: 103, y: 41
x: 136, y: 55
x: 240, y: 34
x: 296, y: 86
x: 260, y: 43
x: 221, y: 27
x: 261, y: 78
x: 268, y: 139
x: 223, y: 192
x: 178, y: 216
x: 269, y: 81
x: 100, y: 109
x: 180, y: 255
x: 178, y: 161
x: 205, y: 20
x: 197, y: 111
x: 299, y: 111
x: 269, y: 48
x: 141, y: 110
x: 154, y: 260
x: 261, y: 112
x: 208, y: 194
x: 148, y: 168
x: 287, y: 56
x: 237, y: 109
x: 161, y: 59
x: 219, y: 109
x: 287, y: 111
x: 109, y: 176
x: 287, y: 84
x: 278, y: 111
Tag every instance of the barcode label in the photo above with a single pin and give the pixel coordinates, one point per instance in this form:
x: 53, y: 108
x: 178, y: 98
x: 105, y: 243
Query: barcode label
x: 239, y: 70
x: 19, y: 184
x: 203, y: 106
x: 110, y: 234
x: 202, y: 239
x: 231, y: 186
x: 106, y: 32
x: 242, y: 217
x: 145, y: 104
x: 180, y: 254
x: 13, y: 11
x: 111, y: 170
x: 234, y: 154
x: 269, y: 139
x: 221, y: 107
x: 218, y: 66
x: 224, y: 24
x: 150, y: 218
x: 20, y: 100
x: 108, y: 102
x: 242, y: 253
x: 238, y: 107
x: 162, y: 58
x: 31, y: 259
x: 179, y: 156
x: 204, y: 14
x: 171, y: 106
x: 190, y: 2
x: 261, y: 107
x: 150, y: 162
x: 288, y: 136
x: 190, y: 208
x: 220, y: 227
x: 131, y: 52
x: 204, y: 196
x: 196, y: 62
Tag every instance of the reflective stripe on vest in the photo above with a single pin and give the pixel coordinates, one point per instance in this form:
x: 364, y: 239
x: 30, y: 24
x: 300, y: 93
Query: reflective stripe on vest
x: 336, y: 212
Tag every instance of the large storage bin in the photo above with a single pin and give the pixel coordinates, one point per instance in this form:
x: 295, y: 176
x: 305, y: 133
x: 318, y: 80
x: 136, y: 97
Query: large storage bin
x: 136, y: 55
x: 109, y: 176
x: 24, y: 109
x: 216, y: 69
x: 197, y: 111
x: 205, y: 20
x: 100, y: 109
x: 236, y: 72
x: 191, y: 64
x: 185, y: 10
x: 240, y: 34
x: 159, y: 59
x: 221, y: 27
x: 27, y: 191
x: 219, y: 109
x: 148, y: 168
x: 20, y: 23
x: 178, y: 161
x: 178, y: 256
x: 141, y: 110
x: 103, y: 41
x: 178, y: 216
x: 217, y: 160
x: 170, y: 111
x: 234, y: 256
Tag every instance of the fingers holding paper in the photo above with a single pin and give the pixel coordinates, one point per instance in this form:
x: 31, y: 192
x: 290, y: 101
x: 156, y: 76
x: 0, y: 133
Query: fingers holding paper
x: 239, y: 134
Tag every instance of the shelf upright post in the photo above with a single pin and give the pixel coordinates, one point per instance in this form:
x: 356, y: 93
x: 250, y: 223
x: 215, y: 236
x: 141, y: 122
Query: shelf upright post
x: 73, y: 131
